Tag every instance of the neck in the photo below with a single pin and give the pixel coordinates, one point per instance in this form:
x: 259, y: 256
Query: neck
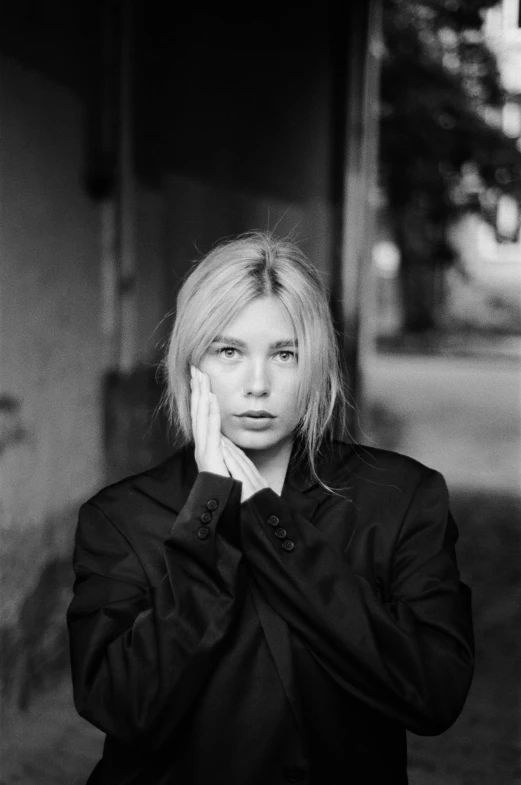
x: 272, y: 463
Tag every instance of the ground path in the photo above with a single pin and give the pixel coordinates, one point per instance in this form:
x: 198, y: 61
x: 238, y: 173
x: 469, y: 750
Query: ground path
x: 462, y: 416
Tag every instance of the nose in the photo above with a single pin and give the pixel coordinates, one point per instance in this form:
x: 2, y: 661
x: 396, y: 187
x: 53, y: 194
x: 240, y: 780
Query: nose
x: 256, y: 379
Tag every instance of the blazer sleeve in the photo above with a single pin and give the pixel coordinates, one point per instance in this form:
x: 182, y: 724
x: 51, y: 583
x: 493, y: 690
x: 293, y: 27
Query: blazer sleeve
x: 408, y: 654
x: 140, y: 653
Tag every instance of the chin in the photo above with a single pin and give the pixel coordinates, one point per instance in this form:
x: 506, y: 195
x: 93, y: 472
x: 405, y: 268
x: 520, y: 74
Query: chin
x: 252, y: 440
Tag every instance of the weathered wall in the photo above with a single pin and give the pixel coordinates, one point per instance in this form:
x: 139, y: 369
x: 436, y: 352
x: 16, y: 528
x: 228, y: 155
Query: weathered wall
x: 198, y: 213
x: 236, y: 120
x: 51, y: 349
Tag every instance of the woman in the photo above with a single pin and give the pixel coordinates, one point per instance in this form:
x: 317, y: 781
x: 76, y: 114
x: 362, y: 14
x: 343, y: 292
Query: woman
x: 269, y: 605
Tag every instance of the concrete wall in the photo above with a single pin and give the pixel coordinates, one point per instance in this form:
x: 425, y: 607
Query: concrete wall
x: 51, y: 351
x: 199, y: 213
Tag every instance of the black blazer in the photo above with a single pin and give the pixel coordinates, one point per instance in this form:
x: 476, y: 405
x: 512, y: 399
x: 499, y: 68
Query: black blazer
x: 289, y: 638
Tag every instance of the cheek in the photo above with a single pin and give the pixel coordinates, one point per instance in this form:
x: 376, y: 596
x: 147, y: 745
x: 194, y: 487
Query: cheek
x: 290, y: 395
x: 221, y: 387
x: 291, y: 385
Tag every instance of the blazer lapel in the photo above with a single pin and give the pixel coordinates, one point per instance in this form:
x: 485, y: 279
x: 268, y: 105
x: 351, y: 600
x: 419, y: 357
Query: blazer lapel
x: 302, y: 492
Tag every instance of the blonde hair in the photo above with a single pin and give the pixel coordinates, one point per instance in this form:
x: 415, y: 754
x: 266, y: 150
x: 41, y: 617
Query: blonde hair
x: 226, y: 280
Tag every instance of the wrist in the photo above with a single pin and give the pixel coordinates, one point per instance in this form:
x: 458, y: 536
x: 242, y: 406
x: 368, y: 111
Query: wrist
x: 214, y: 469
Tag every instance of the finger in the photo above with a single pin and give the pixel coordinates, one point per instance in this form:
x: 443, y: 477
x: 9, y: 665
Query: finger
x: 194, y: 403
x: 213, y: 438
x: 247, y: 465
x: 237, y: 472
x: 240, y: 456
x: 232, y: 464
x: 255, y: 478
x: 241, y: 469
x: 202, y: 412
x: 210, y: 412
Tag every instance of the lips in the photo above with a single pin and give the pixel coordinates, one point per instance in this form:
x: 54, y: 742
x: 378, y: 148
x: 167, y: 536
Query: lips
x: 257, y: 414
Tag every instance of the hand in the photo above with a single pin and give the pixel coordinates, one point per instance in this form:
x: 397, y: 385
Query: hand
x: 242, y: 469
x: 206, y: 425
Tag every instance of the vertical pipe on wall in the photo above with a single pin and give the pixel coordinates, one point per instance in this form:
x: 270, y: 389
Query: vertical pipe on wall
x: 356, y: 81
x: 114, y: 183
x: 102, y: 176
x: 109, y: 281
x: 127, y: 196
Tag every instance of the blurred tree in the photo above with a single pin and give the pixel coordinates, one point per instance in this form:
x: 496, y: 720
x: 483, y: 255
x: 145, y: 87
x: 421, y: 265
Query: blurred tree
x: 442, y: 148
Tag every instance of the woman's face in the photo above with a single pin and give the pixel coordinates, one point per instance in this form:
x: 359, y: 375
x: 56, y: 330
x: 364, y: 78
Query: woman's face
x: 253, y: 370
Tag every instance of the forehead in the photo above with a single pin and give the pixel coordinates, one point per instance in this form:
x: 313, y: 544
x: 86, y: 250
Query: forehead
x: 262, y: 320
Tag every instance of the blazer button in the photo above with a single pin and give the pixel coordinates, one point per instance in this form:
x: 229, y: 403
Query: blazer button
x: 206, y: 517
x: 273, y: 520
x: 212, y: 504
x: 294, y: 774
x: 280, y: 533
x: 288, y: 545
x: 203, y: 533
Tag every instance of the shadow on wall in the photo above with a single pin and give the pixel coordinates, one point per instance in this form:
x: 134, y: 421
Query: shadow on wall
x: 136, y: 428
x: 12, y: 431
x: 35, y: 651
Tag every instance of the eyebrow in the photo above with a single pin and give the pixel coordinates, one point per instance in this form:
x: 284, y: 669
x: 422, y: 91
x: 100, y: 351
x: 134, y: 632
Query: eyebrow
x: 242, y: 345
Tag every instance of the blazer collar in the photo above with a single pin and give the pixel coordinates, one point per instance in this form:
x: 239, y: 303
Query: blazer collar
x: 171, y: 481
x: 302, y: 491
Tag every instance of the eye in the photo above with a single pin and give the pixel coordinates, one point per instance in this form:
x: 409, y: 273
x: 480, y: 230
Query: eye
x: 287, y: 356
x: 229, y: 352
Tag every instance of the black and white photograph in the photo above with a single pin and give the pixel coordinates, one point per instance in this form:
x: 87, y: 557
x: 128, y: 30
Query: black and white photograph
x: 260, y: 392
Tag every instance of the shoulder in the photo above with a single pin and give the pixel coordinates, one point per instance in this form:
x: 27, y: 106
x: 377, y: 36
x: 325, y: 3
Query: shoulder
x: 383, y: 489
x: 382, y: 472
x: 170, y: 473
x: 137, y: 511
